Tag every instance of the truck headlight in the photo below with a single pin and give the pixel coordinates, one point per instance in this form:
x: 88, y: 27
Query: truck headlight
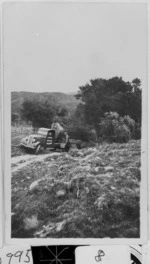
x: 23, y: 140
x: 33, y: 140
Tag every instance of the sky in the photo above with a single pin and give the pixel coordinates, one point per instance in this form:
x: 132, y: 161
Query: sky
x: 58, y: 47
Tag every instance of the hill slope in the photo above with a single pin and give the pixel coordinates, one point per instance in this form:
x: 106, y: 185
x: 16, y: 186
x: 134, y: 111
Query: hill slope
x: 92, y: 192
x: 60, y: 99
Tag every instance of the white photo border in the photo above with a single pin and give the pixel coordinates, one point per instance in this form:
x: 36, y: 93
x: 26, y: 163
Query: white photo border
x: 7, y: 170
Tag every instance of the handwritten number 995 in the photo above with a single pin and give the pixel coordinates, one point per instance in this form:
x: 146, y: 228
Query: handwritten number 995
x: 19, y: 255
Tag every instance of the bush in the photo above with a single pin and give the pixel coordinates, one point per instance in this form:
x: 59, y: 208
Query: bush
x: 137, y: 131
x: 122, y: 133
x: 39, y: 113
x: 130, y: 123
x: 81, y: 133
x: 116, y: 128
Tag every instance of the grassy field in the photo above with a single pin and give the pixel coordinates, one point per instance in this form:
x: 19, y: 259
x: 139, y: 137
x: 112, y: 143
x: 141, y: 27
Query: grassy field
x: 93, y: 192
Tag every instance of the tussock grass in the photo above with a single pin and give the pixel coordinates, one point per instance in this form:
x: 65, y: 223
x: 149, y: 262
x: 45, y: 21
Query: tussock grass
x: 92, y: 192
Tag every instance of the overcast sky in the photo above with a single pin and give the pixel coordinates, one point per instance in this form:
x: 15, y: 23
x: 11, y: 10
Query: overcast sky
x: 61, y: 46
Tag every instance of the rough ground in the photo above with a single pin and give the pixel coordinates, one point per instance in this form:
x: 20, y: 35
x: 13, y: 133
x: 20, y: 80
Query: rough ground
x: 92, y: 192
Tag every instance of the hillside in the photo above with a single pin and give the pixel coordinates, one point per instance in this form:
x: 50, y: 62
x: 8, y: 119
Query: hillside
x: 93, y: 192
x: 60, y: 99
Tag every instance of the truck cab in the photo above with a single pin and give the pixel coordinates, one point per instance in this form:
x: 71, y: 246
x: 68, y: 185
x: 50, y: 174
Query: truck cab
x: 45, y: 138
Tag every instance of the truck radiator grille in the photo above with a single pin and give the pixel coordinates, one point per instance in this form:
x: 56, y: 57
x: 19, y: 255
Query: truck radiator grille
x: 49, y: 140
x: 30, y: 141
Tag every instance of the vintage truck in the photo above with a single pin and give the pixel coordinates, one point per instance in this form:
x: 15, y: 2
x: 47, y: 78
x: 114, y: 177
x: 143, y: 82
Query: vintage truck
x: 45, y: 138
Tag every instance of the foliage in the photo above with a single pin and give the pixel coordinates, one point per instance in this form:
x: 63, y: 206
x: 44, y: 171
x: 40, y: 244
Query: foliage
x: 116, y: 128
x: 113, y: 95
x: 130, y: 123
x: 40, y: 113
x: 81, y: 133
x: 58, y: 100
x: 62, y: 111
x: 15, y: 118
x: 95, y: 99
x: 137, y: 131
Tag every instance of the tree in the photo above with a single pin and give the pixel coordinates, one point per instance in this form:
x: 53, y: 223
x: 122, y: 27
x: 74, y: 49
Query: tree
x: 136, y: 83
x: 101, y: 95
x: 15, y: 118
x: 40, y: 113
x: 62, y: 111
x: 136, y: 101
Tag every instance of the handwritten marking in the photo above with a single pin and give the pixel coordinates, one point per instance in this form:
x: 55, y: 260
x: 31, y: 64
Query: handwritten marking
x: 101, y: 254
x: 18, y: 254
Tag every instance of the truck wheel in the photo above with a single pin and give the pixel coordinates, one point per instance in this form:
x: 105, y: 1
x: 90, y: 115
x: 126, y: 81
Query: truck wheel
x: 67, y: 147
x: 37, y: 150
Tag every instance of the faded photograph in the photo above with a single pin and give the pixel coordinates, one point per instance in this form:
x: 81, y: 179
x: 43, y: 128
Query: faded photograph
x: 76, y: 73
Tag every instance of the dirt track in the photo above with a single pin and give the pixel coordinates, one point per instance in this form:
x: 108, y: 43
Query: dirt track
x: 92, y: 192
x: 19, y: 162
